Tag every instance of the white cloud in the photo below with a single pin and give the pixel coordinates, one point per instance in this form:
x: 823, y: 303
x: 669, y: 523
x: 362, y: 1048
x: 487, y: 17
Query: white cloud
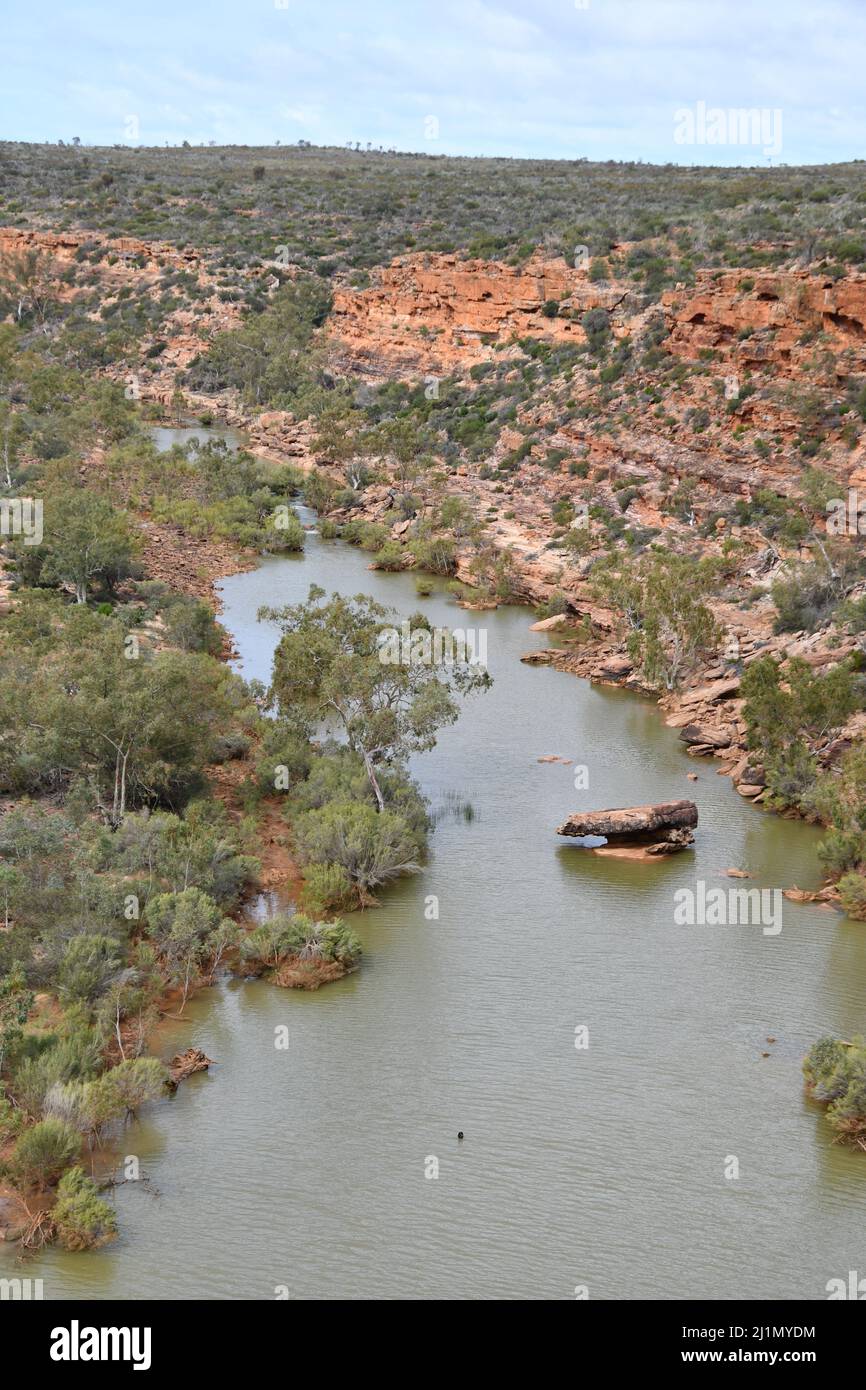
x: 524, y: 77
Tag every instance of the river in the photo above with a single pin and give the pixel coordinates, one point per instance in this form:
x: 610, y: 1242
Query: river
x: 600, y: 1167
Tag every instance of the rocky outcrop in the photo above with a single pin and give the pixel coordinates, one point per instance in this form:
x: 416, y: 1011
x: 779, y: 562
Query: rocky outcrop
x: 438, y: 313
x: 660, y: 829
x: 63, y: 246
x: 120, y: 264
x: 760, y: 319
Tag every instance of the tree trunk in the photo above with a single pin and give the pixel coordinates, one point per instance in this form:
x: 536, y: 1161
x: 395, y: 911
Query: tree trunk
x: 123, y: 785
x: 368, y: 764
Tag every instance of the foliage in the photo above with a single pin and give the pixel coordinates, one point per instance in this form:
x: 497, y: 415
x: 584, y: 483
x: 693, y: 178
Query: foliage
x: 82, y: 1219
x: 371, y: 847
x: 85, y: 540
x: 835, y: 1073
x: 75, y: 704
x: 783, y: 704
x: 88, y: 965
x: 852, y: 892
x: 661, y: 596
x: 839, y: 800
x: 188, y: 930
x: 807, y: 597
x: 43, y: 1151
x: 328, y: 665
x: 16, y: 1001
x: 284, y: 938
x: 268, y: 359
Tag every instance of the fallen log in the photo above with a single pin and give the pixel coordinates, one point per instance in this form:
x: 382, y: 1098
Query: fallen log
x: 186, y: 1064
x: 660, y: 829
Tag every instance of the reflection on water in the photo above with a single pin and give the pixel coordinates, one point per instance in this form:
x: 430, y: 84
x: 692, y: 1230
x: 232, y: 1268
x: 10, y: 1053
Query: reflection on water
x: 164, y: 436
x: 602, y: 1166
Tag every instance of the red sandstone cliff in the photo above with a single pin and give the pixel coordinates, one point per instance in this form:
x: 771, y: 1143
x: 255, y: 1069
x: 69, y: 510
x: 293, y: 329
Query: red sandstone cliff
x: 438, y: 313
x: 777, y: 311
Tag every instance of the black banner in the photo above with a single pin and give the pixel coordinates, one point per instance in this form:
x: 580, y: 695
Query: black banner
x: 65, y: 1338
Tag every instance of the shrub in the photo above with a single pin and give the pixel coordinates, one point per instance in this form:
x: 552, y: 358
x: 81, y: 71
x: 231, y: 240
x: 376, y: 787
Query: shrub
x: 556, y: 605
x: 286, y: 755
x: 83, y: 1221
x: 87, y: 967
x: 327, y: 887
x: 135, y: 1081
x: 836, y: 1074
x: 596, y: 325
x: 805, y: 599
x: 69, y: 1059
x: 88, y: 1106
x: 10, y: 1120
x: 438, y: 554
x: 823, y: 1069
x: 286, y: 939
x: 43, y: 1151
x: 191, y: 625
x: 372, y: 847
x: 791, y: 774
x: 781, y: 706
x: 852, y: 891
x: 389, y: 557
x: 841, y: 850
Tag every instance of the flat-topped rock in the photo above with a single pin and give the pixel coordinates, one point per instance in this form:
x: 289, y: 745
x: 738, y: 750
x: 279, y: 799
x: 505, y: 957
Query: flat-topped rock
x: 708, y: 694
x: 660, y: 829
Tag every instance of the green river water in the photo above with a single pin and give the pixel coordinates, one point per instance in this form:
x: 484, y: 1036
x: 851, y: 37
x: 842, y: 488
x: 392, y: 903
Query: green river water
x: 605, y: 1167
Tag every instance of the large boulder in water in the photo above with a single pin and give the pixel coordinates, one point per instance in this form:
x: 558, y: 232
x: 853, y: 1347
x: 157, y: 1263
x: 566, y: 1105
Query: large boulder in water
x: 659, y: 829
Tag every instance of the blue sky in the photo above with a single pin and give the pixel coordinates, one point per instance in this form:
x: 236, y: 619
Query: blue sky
x: 603, y: 79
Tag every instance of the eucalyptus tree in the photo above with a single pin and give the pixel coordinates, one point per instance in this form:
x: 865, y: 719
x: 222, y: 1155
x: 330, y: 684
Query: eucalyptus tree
x: 330, y: 667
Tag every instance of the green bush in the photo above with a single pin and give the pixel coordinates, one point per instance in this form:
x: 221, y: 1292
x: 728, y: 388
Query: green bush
x: 87, y: 968
x: 791, y: 773
x: 824, y: 1069
x: 436, y: 554
x: 284, y: 939
x: 852, y: 891
x: 836, y: 1074
x: 74, y: 1058
x: 135, y: 1081
x: 42, y: 1152
x: 83, y: 1221
x: 804, y: 600
x: 327, y: 887
x: 283, y: 531
x: 371, y: 847
x: 841, y: 850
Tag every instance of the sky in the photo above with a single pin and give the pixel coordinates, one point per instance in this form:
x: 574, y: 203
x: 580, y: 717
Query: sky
x: 657, y: 80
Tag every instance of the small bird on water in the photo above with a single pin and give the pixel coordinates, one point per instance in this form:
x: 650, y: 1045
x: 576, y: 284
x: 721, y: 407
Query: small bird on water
x: 460, y: 1134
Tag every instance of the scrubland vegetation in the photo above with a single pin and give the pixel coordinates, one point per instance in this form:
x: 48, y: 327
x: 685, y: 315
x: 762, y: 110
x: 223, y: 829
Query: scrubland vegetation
x: 122, y: 873
x: 335, y: 209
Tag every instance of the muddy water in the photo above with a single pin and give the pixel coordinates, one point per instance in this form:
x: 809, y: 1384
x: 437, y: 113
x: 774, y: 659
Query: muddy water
x: 164, y: 436
x: 602, y: 1166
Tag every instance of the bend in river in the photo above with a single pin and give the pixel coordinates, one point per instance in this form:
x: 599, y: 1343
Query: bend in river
x: 602, y: 1166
